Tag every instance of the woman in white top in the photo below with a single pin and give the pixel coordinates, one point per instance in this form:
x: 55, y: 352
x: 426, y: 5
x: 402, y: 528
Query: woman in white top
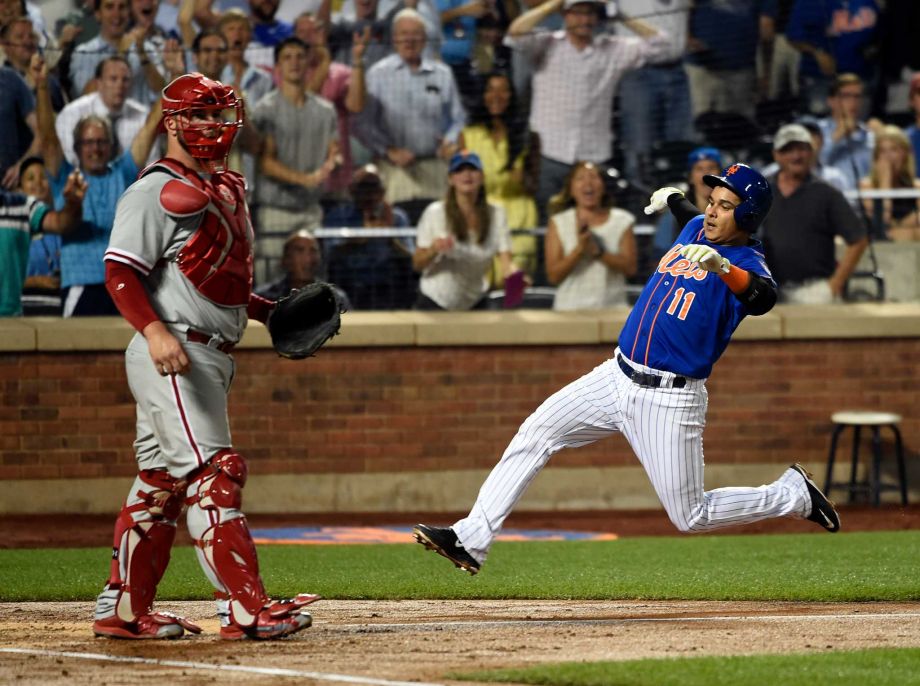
x: 590, y: 247
x: 457, y: 239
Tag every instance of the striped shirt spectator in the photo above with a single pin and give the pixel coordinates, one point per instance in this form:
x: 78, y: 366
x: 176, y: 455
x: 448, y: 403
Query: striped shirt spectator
x: 20, y: 217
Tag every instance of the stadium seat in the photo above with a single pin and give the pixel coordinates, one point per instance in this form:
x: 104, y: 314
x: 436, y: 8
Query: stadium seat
x: 872, y: 485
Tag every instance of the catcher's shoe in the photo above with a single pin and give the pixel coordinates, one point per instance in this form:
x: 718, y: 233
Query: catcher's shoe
x: 822, y: 509
x: 151, y: 626
x: 445, y: 543
x: 278, y: 619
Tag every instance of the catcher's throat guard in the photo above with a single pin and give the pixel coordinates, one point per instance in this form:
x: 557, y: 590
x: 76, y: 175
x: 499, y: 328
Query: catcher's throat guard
x: 208, y: 116
x: 303, y: 321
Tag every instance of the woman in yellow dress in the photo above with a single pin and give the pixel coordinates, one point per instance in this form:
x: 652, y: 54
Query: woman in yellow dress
x: 510, y: 155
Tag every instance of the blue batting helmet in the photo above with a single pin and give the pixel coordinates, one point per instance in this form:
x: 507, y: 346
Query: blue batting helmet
x: 753, y: 189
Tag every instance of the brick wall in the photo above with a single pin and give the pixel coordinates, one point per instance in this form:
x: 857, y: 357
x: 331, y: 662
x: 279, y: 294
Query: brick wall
x: 394, y: 409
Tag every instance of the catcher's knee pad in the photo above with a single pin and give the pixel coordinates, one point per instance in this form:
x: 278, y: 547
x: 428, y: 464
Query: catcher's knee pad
x: 144, y: 534
x: 219, y: 484
x: 225, y: 547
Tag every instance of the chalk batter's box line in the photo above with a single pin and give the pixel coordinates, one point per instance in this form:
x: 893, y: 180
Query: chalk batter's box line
x: 356, y: 535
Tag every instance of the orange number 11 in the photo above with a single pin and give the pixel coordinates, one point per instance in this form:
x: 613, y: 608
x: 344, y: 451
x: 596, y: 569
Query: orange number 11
x: 688, y: 301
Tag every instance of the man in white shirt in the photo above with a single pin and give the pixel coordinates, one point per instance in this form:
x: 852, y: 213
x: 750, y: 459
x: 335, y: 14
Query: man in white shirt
x: 575, y: 78
x: 111, y: 101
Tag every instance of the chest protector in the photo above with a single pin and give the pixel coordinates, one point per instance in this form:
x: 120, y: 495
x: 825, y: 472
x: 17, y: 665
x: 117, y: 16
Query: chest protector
x: 217, y: 257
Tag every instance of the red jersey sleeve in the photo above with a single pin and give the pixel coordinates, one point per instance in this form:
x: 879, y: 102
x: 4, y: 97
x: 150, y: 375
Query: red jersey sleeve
x: 125, y: 286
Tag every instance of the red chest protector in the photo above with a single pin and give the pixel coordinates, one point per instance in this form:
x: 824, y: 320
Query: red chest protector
x: 217, y: 257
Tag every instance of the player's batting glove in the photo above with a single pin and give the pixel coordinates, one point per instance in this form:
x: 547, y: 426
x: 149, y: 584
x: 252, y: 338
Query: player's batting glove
x: 707, y: 257
x: 659, y: 199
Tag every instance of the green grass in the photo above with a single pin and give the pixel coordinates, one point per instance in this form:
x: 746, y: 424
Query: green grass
x: 878, y: 667
x: 808, y: 567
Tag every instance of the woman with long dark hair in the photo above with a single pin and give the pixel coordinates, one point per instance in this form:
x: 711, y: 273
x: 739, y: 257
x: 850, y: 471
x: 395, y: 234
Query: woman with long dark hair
x: 458, y: 237
x: 510, y: 155
x: 590, y: 246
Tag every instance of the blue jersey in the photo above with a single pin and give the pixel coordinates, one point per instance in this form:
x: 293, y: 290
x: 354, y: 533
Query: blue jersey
x: 685, y: 315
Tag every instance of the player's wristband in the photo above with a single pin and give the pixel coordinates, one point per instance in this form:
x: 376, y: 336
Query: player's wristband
x: 259, y: 308
x: 737, y: 279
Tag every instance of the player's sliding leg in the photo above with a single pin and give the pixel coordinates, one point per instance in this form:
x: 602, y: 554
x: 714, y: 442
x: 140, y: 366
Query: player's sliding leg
x: 579, y: 414
x: 144, y: 533
x: 666, y: 432
x: 228, y: 556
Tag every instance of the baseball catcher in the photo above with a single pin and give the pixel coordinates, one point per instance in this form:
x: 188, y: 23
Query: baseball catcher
x: 179, y: 268
x: 304, y: 320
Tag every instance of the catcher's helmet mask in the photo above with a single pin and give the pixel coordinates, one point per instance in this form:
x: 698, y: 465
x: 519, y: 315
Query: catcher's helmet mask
x: 190, y: 98
x: 753, y: 189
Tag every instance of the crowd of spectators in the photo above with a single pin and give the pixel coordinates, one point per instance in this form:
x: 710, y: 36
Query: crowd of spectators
x: 476, y: 122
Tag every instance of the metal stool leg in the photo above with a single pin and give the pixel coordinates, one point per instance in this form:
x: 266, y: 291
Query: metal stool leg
x: 854, y: 464
x: 831, y: 456
x: 875, y: 485
x: 902, y: 469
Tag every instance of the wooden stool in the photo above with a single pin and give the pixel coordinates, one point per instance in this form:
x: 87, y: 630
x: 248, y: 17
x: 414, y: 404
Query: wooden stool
x: 872, y: 485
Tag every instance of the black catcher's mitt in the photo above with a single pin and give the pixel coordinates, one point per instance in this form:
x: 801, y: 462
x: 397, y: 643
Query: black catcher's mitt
x: 304, y: 320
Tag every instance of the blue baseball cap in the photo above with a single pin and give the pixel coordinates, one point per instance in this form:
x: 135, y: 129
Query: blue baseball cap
x: 462, y: 159
x: 699, y: 154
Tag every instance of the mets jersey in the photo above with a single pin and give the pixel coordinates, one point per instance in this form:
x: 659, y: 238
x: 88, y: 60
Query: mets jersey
x: 685, y: 316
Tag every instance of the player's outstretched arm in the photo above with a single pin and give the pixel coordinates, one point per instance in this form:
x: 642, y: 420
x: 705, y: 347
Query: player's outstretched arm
x: 757, y: 294
x: 259, y: 308
x: 673, y: 198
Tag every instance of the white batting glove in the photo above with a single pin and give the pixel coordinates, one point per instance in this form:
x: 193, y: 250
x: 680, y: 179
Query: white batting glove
x: 706, y: 257
x: 659, y: 199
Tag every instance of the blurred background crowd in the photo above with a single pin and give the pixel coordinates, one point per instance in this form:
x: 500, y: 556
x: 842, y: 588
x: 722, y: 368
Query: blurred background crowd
x: 466, y: 154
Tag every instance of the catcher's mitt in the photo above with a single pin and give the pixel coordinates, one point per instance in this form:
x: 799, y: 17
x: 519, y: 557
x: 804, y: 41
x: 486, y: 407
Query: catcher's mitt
x: 304, y: 320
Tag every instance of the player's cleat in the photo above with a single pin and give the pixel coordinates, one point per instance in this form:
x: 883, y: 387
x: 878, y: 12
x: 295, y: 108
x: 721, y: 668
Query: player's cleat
x: 156, y: 625
x: 822, y: 509
x: 279, y: 619
x: 268, y: 626
x: 445, y: 543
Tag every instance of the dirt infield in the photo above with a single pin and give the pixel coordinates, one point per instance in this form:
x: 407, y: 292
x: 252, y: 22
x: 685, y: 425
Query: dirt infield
x: 389, y: 643
x: 401, y: 642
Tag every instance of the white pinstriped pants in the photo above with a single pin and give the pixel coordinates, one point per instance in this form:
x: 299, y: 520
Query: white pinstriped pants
x: 664, y: 426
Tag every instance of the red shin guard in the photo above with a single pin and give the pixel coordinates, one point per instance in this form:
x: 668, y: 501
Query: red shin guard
x: 141, y: 549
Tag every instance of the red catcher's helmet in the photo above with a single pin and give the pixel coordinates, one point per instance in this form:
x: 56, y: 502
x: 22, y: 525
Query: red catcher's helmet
x: 193, y: 97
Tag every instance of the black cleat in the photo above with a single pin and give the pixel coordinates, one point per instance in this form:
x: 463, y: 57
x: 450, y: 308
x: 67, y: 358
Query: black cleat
x: 822, y: 509
x: 445, y: 543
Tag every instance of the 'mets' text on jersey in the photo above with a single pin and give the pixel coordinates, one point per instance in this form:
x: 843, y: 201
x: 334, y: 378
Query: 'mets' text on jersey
x: 685, y: 316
